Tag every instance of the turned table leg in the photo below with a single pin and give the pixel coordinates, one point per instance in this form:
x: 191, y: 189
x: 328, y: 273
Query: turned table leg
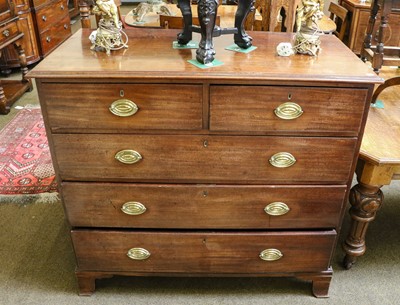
x: 366, y: 201
x: 370, y: 29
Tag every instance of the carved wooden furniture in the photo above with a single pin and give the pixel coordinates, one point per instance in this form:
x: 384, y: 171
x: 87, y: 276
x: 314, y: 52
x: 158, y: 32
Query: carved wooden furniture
x: 176, y: 22
x: 339, y: 14
x: 207, y: 12
x: 379, y: 54
x: 11, y: 90
x: 45, y: 24
x: 166, y: 169
x: 378, y: 165
x: 359, y: 14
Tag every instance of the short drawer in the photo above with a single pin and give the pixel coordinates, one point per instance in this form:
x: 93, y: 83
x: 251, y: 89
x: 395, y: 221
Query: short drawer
x: 8, y: 32
x: 53, y: 36
x: 51, y: 14
x: 203, y: 252
x: 306, y: 110
x: 123, y: 107
x: 196, y: 159
x: 202, y: 206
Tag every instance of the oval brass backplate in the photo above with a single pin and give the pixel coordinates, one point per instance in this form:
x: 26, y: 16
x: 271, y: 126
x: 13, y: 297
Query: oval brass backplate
x: 276, y: 209
x: 288, y: 111
x: 123, y: 108
x: 133, y: 208
x: 271, y: 255
x: 282, y: 159
x: 128, y: 156
x: 138, y: 254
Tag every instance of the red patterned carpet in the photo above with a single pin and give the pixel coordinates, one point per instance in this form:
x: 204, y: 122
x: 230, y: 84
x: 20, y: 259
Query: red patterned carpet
x: 25, y: 161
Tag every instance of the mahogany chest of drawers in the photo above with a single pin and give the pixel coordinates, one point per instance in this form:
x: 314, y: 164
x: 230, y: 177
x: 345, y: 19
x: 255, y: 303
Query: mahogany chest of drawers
x: 236, y: 170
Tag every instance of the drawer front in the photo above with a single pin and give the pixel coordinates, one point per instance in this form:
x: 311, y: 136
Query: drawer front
x: 214, y: 159
x: 287, y: 109
x: 202, y: 206
x: 55, y: 35
x: 199, y: 252
x: 159, y: 106
x: 51, y: 14
x: 8, y: 32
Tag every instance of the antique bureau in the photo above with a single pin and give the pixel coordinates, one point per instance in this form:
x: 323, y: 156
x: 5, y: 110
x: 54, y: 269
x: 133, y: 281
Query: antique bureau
x: 236, y: 170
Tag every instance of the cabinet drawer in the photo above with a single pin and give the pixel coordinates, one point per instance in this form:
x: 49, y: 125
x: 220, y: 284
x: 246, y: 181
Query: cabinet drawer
x: 266, y: 109
x: 202, y: 206
x: 8, y: 32
x: 51, y: 14
x: 214, y: 159
x: 55, y: 35
x: 203, y: 252
x: 159, y: 106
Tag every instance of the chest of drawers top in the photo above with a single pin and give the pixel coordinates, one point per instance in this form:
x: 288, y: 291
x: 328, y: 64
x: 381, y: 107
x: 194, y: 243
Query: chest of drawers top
x: 150, y: 57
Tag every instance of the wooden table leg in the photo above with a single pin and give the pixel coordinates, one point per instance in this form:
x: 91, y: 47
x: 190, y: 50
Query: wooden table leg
x: 366, y: 201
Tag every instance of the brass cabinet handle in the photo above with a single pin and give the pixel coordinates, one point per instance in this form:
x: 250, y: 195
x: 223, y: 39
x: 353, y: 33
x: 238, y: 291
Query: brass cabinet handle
x: 48, y: 38
x: 276, y: 209
x: 282, y: 159
x: 44, y: 18
x: 128, y: 156
x: 62, y: 7
x: 288, y: 111
x: 271, y: 255
x: 133, y: 208
x: 6, y: 33
x: 65, y: 26
x: 123, y: 108
x: 138, y: 254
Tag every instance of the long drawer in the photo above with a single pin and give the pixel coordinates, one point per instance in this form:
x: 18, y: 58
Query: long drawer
x: 203, y: 252
x: 50, y: 14
x: 202, y: 206
x: 123, y: 107
x: 287, y: 109
x: 195, y: 159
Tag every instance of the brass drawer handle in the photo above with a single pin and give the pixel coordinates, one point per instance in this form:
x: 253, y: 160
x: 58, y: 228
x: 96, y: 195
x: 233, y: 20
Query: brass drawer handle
x: 128, y: 156
x: 44, y: 18
x: 6, y: 33
x: 123, y: 108
x: 62, y: 7
x: 138, y: 254
x: 65, y: 26
x: 48, y: 38
x: 288, y: 111
x: 282, y: 160
x: 133, y: 208
x: 271, y: 255
x: 276, y: 209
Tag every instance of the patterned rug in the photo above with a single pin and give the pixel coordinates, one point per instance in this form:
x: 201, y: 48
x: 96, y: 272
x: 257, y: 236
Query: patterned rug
x: 25, y: 161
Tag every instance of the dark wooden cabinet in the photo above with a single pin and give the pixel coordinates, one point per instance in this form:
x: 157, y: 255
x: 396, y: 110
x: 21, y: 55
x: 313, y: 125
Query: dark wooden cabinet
x: 237, y: 170
x: 358, y: 15
x: 45, y: 24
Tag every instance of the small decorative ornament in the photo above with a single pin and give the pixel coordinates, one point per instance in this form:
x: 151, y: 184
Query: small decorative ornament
x: 285, y: 49
x: 307, y: 32
x: 109, y: 35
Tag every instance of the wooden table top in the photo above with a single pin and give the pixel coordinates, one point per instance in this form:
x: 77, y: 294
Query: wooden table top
x: 150, y: 55
x: 381, y: 141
